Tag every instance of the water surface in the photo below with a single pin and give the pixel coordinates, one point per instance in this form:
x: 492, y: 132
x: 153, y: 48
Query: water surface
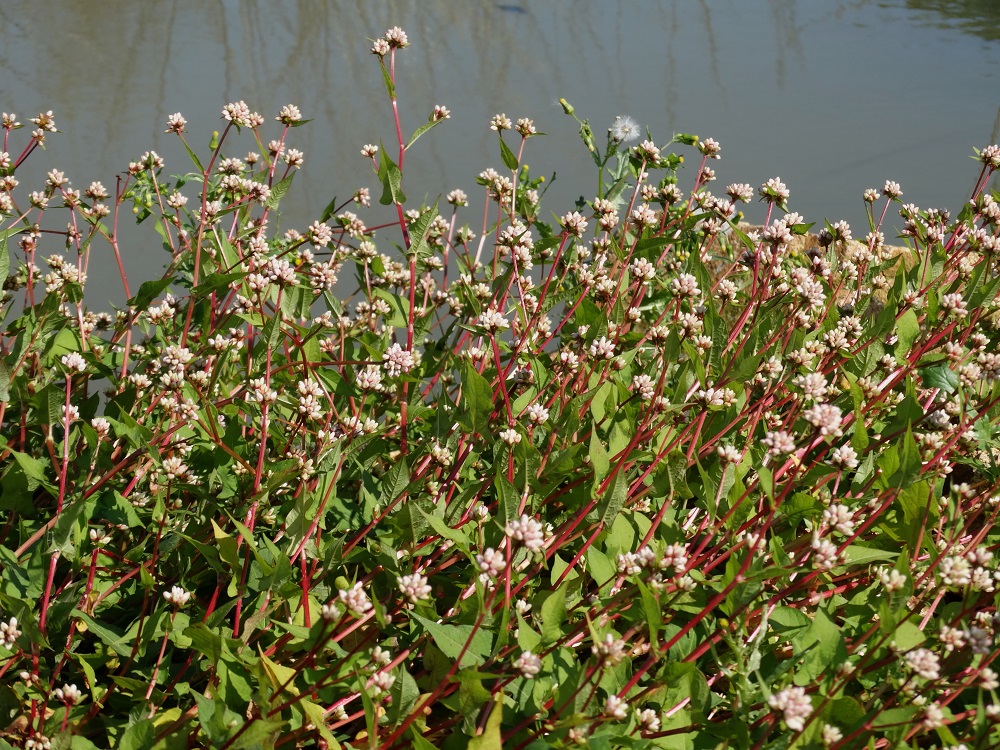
x: 833, y: 96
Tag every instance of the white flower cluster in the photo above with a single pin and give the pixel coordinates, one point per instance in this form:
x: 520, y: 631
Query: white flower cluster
x: 414, y: 587
x: 177, y: 596
x: 794, y: 704
x: 528, y: 531
x: 9, y: 633
x: 355, y: 599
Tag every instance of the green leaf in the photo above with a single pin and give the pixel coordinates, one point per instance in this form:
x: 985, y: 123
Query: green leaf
x: 4, y: 256
x: 216, y: 281
x: 677, y: 466
x: 108, y: 635
x: 451, y: 639
x: 441, y: 527
x: 847, y: 712
x: 390, y: 87
x: 330, y: 209
x: 611, y: 502
x: 229, y: 255
x: 227, y: 547
x: 789, y: 618
x: 895, y: 717
x: 941, y: 376
x: 823, y: 645
x: 908, y: 636
x: 599, y: 459
x: 507, y: 156
x: 399, y: 307
x: 421, y: 130
x: 316, y: 717
x: 205, y: 641
x: 194, y: 157
x: 858, y: 554
x: 651, y: 609
x: 907, y: 330
x: 490, y: 739
x: 419, y: 743
x: 420, y: 231
x: 766, y: 481
x: 149, y: 291
x: 910, y: 463
x: 685, y: 681
x: 507, y: 498
x: 405, y: 695
x: 599, y: 404
x: 34, y: 471
x: 395, y: 482
x: 278, y: 191
x: 139, y: 736
x: 281, y: 677
x: 392, y: 177
x: 477, y: 399
x: 271, y: 332
x: 551, y: 606
x: 4, y: 382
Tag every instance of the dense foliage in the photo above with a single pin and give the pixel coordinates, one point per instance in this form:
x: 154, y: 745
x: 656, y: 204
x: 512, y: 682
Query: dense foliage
x: 637, y: 477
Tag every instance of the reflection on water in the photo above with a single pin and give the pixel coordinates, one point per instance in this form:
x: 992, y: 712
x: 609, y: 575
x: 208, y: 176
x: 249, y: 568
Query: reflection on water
x: 833, y: 96
x: 977, y: 17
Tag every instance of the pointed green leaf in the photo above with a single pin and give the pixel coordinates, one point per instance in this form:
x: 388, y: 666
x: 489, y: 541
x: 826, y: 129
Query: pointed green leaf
x: 421, y: 130
x: 611, y: 502
x: 4, y: 257
x: 490, y: 739
x: 395, y: 482
x: 507, y: 499
x: 392, y: 177
x: 552, y: 612
x: 139, y: 736
x: 452, y: 639
x: 476, y: 400
x: 390, y: 87
x: 907, y: 330
x: 194, y: 157
x: 599, y: 459
x: 278, y: 191
x: 420, y: 230
x: 149, y: 291
x: 507, y: 156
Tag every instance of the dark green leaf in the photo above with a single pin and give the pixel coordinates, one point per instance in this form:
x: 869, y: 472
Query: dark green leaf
x: 490, y: 739
x: 4, y: 382
x: 551, y: 606
x: 194, y: 157
x: 907, y: 330
x: 421, y: 130
x: 330, y: 209
x: 940, y: 376
x: 149, y: 291
x: 507, y: 498
x: 390, y: 87
x: 278, y: 191
x: 507, y: 156
x: 476, y: 400
x: 611, y: 502
x: 4, y: 256
x: 392, y: 177
x: 420, y: 231
x: 139, y: 736
x: 452, y: 639
x: 599, y: 459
